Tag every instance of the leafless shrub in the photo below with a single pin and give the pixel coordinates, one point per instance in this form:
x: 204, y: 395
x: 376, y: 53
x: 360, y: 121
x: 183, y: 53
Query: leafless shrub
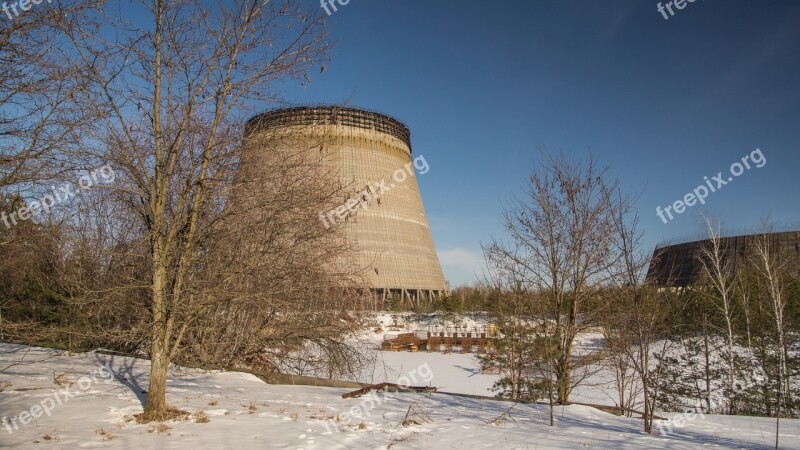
x: 107, y: 435
x: 417, y: 414
x: 201, y: 417
x: 62, y: 380
x: 160, y: 428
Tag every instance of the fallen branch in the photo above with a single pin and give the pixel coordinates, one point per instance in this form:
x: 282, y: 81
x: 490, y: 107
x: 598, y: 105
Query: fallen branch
x: 615, y: 409
x: 387, y: 387
x: 17, y: 362
x: 502, y: 417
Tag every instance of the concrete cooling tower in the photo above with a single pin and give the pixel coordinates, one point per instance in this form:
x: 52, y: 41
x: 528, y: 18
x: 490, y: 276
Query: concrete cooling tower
x: 371, y: 153
x: 680, y: 265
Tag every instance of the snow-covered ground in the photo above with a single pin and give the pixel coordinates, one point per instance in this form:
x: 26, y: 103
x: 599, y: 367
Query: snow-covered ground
x: 460, y: 373
x: 244, y: 412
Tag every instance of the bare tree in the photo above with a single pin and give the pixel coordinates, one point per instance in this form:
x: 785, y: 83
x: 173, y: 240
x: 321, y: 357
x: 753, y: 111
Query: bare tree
x: 639, y: 318
x: 278, y: 288
x: 718, y: 270
x: 561, y: 233
x: 772, y: 271
x: 38, y: 90
x: 640, y: 331
x: 626, y: 382
x: 523, y: 350
x: 171, y: 95
x: 627, y: 278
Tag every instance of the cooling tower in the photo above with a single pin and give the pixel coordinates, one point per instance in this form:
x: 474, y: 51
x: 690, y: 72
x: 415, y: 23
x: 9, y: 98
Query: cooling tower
x: 371, y: 154
x: 680, y: 264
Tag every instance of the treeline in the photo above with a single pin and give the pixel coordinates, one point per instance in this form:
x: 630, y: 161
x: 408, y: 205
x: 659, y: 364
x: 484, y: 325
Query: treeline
x: 67, y: 292
x: 569, y: 293
x: 737, y: 340
x: 698, y: 347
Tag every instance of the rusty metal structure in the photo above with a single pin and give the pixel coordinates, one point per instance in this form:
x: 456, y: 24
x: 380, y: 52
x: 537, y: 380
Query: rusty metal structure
x: 477, y: 340
x: 391, y: 231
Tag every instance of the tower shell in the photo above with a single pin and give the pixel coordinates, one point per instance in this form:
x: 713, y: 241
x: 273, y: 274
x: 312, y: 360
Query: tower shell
x: 680, y: 264
x: 371, y: 155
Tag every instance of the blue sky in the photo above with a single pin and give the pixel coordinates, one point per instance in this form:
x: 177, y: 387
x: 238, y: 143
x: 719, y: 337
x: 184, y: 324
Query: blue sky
x: 483, y: 85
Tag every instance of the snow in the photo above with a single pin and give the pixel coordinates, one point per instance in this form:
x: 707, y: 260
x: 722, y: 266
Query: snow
x: 460, y: 373
x: 456, y: 372
x: 244, y: 412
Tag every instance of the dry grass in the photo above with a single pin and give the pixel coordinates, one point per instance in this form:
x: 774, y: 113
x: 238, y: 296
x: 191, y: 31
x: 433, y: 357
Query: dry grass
x: 325, y: 417
x: 201, y: 417
x: 160, y: 428
x: 52, y: 436
x: 62, y: 379
x: 107, y: 435
x: 171, y: 413
x: 417, y: 414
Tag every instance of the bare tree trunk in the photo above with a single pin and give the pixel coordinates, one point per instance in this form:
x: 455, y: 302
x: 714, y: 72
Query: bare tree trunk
x: 719, y: 272
x: 648, y: 421
x: 159, y: 363
x: 707, y: 366
x: 745, y: 297
x: 778, y: 407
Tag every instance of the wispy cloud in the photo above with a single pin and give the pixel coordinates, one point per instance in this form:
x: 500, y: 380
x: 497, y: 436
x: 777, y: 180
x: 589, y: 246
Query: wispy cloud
x: 461, y: 266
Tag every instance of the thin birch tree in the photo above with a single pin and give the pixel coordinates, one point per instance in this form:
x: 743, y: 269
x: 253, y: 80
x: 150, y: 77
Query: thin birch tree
x: 772, y: 270
x: 716, y: 262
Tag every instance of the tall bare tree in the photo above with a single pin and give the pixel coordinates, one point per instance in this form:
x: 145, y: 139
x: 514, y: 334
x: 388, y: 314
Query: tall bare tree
x: 772, y: 271
x: 561, y: 237
x: 627, y: 279
x: 717, y: 267
x: 638, y: 323
x: 171, y: 93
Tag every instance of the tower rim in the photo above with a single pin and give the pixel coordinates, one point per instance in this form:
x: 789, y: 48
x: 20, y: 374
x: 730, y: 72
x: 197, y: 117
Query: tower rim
x: 327, y: 114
